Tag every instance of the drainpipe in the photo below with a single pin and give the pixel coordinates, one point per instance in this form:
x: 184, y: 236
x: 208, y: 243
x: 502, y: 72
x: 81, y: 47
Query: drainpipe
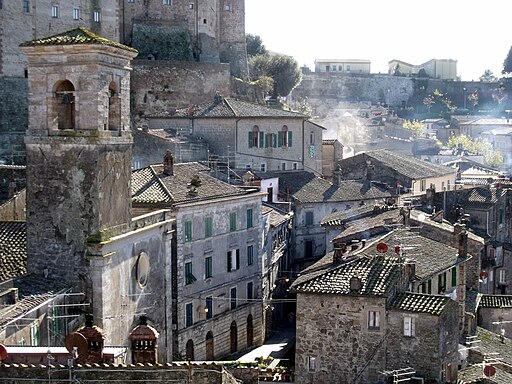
x: 303, y: 144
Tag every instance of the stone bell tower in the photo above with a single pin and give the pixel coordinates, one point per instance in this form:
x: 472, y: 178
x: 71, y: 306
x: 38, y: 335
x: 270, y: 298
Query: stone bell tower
x: 79, y: 149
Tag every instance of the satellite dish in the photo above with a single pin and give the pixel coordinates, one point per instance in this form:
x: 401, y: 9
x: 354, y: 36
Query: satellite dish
x: 3, y: 353
x: 382, y: 247
x: 483, y: 275
x: 78, y: 341
x: 489, y: 371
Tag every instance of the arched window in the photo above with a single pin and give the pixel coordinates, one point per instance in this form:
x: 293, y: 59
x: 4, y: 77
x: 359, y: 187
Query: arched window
x: 209, y: 346
x: 254, y: 137
x: 233, y: 333
x: 190, y: 350
x: 64, y: 105
x: 250, y: 331
x: 114, y: 108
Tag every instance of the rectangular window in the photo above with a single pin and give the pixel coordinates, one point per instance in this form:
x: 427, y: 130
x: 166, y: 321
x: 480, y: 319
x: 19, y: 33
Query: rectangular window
x: 208, y: 267
x: 55, y: 321
x: 250, y: 254
x: 188, y: 231
x: 55, y: 11
x: 189, y: 276
x: 76, y: 14
x: 261, y: 142
x: 131, y: 1
x: 294, y: 166
x: 208, y: 226
x: 249, y: 218
x: 96, y: 16
x: 233, y: 260
x: 441, y: 282
x: 189, y: 318
x: 167, y: 2
x: 232, y: 222
x: 26, y: 6
x: 308, y: 251
x: 423, y: 185
x: 283, y: 166
x: 311, y: 364
x: 227, y: 7
x: 501, y: 216
x: 312, y: 138
x: 429, y: 287
x: 250, y: 290
x: 233, y: 298
x: 191, y: 6
x: 502, y: 276
x: 209, y: 307
x: 309, y: 218
x: 454, y: 276
x: 263, y: 167
x: 409, y: 326
x: 34, y: 334
x: 373, y: 320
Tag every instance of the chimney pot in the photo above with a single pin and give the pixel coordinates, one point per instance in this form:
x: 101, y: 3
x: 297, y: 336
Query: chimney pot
x: 168, y: 163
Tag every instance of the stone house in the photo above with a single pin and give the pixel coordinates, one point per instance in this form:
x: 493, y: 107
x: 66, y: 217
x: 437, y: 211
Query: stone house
x: 495, y: 314
x: 406, y: 174
x: 501, y: 140
x: 332, y: 152
x: 486, y: 210
x: 216, y: 271
x: 355, y: 320
x: 312, y: 199
x: 443, y: 69
x: 248, y: 136
x: 276, y: 266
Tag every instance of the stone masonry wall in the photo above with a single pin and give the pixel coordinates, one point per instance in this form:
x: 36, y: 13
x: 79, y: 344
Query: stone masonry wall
x: 13, y: 119
x: 333, y: 330
x: 158, y: 86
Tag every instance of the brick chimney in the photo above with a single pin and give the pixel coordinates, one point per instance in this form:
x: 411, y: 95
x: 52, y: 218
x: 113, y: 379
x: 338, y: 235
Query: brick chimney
x: 168, y: 163
x: 339, y: 250
x: 461, y: 235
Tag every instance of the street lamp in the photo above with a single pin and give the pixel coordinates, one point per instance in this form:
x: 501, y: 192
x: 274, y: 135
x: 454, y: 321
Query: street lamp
x: 389, y: 91
x: 464, y: 96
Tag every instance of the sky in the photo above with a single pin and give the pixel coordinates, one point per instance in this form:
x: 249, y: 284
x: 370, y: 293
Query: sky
x: 475, y: 33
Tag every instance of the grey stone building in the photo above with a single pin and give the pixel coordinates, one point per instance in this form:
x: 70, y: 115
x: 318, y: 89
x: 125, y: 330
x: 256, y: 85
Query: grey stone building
x: 247, y: 135
x: 356, y: 322
x: 216, y: 272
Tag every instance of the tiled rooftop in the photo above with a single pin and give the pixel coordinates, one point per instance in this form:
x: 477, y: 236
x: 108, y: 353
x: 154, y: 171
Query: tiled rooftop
x: 496, y: 301
x: 474, y: 375
x: 409, y: 166
x: 419, y: 302
x: 151, y: 186
x: 430, y: 256
x: 378, y: 275
x: 78, y: 36
x: 13, y: 249
x: 307, y: 188
x: 490, y: 344
x: 277, y: 217
x: 379, y: 223
x: 228, y: 107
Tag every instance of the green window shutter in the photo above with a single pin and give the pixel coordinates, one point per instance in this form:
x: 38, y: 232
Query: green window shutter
x: 249, y: 218
x: 454, y: 276
x: 250, y: 139
x: 279, y: 139
x: 208, y: 226
x: 262, y: 139
x: 229, y: 261
x: 267, y: 139
x: 274, y: 140
x: 188, y: 231
x: 289, y: 138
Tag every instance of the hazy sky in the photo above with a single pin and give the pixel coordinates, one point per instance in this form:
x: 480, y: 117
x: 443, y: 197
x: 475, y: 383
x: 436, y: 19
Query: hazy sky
x: 476, y: 33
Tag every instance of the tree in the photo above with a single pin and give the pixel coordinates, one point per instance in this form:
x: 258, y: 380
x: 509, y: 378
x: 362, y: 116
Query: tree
x: 397, y: 71
x: 415, y: 126
x: 473, y: 99
x: 254, y: 45
x: 477, y: 146
x: 284, y: 70
x: 507, y: 64
x: 422, y: 73
x: 488, y: 77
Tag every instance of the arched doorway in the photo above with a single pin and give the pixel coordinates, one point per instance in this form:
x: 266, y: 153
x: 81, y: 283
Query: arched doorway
x: 64, y: 104
x: 209, y: 346
x: 250, y: 334
x: 233, y: 333
x: 190, y: 350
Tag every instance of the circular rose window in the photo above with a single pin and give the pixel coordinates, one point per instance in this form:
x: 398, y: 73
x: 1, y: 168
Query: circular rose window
x: 143, y: 269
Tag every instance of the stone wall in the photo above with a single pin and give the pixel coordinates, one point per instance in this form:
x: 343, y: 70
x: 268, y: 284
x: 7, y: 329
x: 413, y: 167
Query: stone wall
x: 13, y: 119
x: 159, y: 86
x: 160, y: 374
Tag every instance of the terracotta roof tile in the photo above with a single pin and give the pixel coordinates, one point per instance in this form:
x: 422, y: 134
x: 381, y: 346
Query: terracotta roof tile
x: 496, y: 301
x: 420, y: 302
x: 13, y: 249
x: 78, y: 36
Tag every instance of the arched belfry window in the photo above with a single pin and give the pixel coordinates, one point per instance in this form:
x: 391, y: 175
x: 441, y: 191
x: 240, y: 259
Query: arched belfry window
x: 114, y: 108
x: 64, y: 105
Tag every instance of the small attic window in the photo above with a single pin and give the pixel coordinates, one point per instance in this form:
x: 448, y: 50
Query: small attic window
x: 97, y: 16
x: 204, y: 21
x: 227, y: 7
x: 191, y: 6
